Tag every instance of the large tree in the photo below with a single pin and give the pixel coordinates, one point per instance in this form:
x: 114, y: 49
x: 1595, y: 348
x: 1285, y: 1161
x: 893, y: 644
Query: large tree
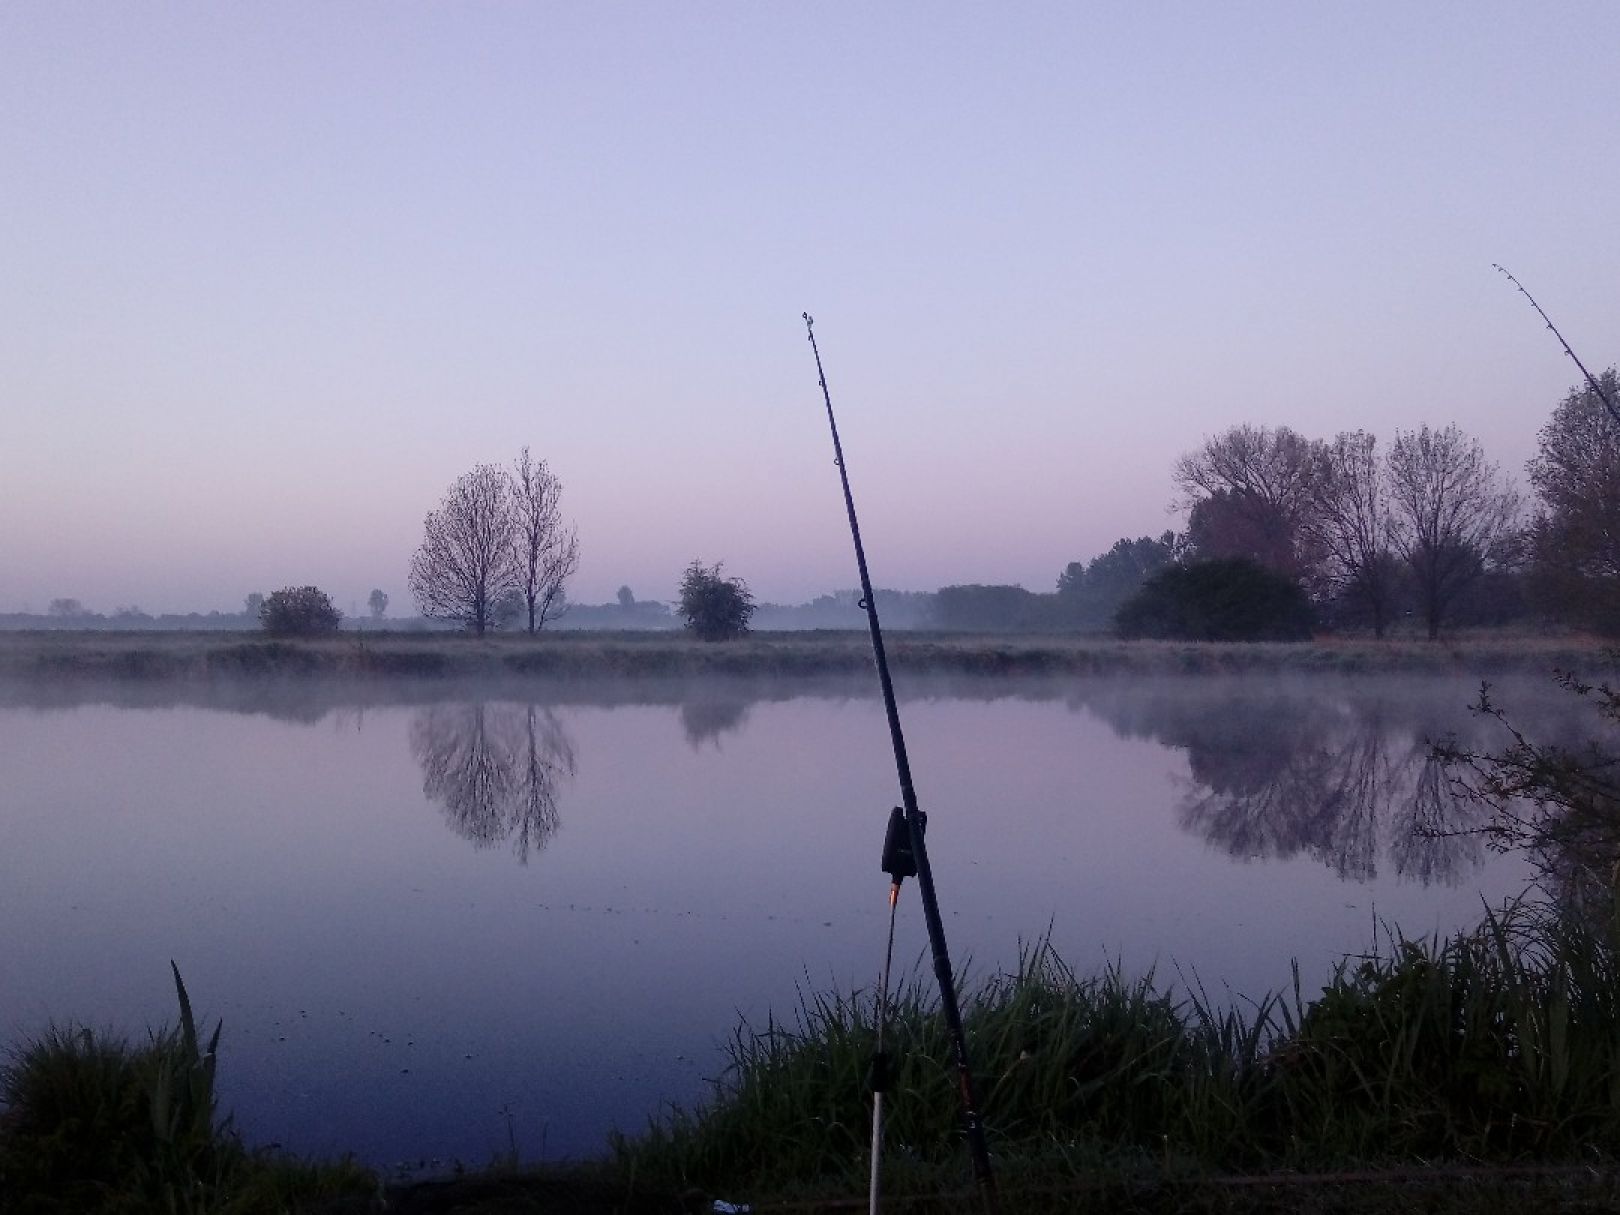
x: 1247, y: 492
x: 547, y: 549
x: 1451, y: 513
x: 1575, y: 540
x: 1349, y: 522
x: 467, y: 558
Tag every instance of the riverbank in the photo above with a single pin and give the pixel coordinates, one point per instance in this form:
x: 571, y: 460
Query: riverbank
x: 212, y: 656
x: 1474, y: 1074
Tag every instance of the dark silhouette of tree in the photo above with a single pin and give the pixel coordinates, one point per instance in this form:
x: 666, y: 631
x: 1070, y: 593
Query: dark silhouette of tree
x: 1090, y: 594
x: 1350, y: 524
x: 1451, y: 514
x: 467, y: 558
x: 64, y: 609
x: 1248, y: 493
x: 299, y: 611
x: 378, y: 602
x: 1231, y: 525
x: 495, y: 770
x: 1575, y: 540
x: 1236, y: 599
x: 546, y: 549
x: 977, y: 608
x: 626, y: 598
x: 715, y: 608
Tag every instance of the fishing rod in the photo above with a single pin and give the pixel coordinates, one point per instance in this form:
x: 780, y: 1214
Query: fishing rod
x: 1590, y: 378
x: 905, y: 854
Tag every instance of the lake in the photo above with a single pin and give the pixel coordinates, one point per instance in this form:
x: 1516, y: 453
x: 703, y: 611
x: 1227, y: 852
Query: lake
x: 438, y: 919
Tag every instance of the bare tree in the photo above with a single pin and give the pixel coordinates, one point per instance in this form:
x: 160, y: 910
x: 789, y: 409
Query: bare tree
x: 1350, y: 524
x: 467, y: 558
x: 1259, y: 480
x: 1451, y: 513
x: 545, y: 549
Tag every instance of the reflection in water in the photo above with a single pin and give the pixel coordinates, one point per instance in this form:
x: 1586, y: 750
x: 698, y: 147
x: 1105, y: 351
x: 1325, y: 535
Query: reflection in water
x: 706, y: 718
x: 1348, y: 781
x: 495, y: 770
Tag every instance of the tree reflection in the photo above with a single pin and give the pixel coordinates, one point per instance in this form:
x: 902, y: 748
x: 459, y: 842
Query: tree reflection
x: 1350, y: 782
x: 705, y: 718
x: 495, y: 770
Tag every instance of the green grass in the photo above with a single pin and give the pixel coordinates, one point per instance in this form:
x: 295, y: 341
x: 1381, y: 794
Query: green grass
x: 1499, y: 1045
x: 1478, y: 1073
x: 95, y: 1124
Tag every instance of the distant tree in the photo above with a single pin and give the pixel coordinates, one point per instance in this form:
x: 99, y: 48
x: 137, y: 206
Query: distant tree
x: 1230, y: 599
x: 1350, y: 522
x: 66, y: 608
x: 977, y: 608
x: 253, y: 605
x: 299, y: 611
x: 626, y: 597
x: 1090, y: 594
x: 507, y: 614
x: 378, y: 602
x: 714, y: 607
x: 1247, y: 493
x: 467, y: 558
x: 545, y: 549
x: 1451, y: 514
x: 1575, y: 539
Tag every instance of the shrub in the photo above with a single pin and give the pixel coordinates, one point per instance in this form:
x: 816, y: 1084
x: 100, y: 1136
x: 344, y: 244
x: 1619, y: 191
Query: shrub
x: 1232, y: 599
x: 298, y: 612
x: 714, y: 607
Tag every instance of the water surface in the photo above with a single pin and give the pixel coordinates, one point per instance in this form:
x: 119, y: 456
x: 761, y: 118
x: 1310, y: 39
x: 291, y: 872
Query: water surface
x: 431, y: 917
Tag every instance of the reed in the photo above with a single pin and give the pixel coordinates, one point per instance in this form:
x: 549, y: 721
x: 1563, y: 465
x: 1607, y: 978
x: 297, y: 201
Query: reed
x: 94, y: 1123
x: 1499, y: 1044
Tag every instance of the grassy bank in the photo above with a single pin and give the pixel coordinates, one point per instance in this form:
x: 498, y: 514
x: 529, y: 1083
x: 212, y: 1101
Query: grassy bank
x: 1501, y: 1045
x: 52, y: 656
x: 1479, y: 1073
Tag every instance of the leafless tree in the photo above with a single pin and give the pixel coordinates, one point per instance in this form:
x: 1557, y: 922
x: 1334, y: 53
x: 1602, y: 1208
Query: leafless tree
x: 1350, y: 525
x: 467, y: 558
x: 545, y: 549
x: 1451, y: 513
x: 1260, y: 479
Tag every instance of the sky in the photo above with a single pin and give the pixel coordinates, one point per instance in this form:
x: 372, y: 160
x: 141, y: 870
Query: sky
x: 273, y: 276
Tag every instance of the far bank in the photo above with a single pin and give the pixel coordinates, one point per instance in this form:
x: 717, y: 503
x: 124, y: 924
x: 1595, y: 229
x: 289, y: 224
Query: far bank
x: 65, y: 655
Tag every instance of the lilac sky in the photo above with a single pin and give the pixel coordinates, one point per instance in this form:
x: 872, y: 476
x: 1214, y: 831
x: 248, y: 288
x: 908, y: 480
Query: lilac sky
x: 272, y: 276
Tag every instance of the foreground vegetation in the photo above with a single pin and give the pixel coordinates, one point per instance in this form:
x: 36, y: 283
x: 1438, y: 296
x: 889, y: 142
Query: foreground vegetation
x: 1477, y: 1073
x: 40, y: 656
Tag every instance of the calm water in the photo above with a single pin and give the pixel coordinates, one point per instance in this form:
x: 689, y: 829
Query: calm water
x: 424, y: 923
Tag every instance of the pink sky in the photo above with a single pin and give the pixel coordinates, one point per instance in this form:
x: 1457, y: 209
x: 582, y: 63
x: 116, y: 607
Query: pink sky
x: 271, y: 278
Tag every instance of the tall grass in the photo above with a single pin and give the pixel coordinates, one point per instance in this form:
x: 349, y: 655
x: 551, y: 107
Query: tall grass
x: 1499, y: 1044
x: 94, y: 1123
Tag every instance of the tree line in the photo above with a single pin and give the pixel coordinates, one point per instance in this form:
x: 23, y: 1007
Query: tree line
x: 1284, y: 534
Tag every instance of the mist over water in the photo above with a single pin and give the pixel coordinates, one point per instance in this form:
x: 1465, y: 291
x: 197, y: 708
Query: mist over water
x: 427, y: 911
